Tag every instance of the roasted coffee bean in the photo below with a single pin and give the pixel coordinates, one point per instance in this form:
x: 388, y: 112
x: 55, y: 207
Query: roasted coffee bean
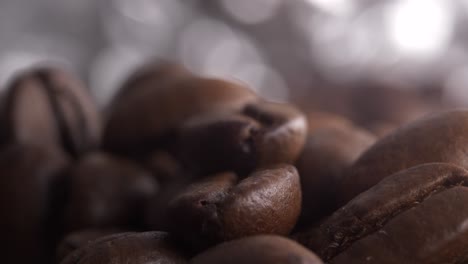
x: 49, y: 106
x: 218, y: 143
x: 284, y: 130
x: 328, y: 153
x: 264, y: 134
x: 440, y: 137
x: 107, y: 192
x: 31, y: 200
x: 389, y: 104
x: 418, y: 215
x: 319, y: 120
x: 220, y: 208
x: 165, y: 167
x: 78, y: 239
x: 258, y: 249
x: 382, y: 129
x: 148, y: 118
x: 156, y: 217
x: 153, y: 75
x: 135, y: 248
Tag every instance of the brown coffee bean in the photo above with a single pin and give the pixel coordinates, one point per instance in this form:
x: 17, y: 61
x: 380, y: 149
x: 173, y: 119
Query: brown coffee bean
x: 135, y: 248
x: 165, y: 167
x: 156, y: 217
x: 328, y: 153
x: 440, y: 137
x: 78, y: 239
x: 417, y: 215
x: 318, y: 120
x: 389, y: 103
x: 31, y: 202
x: 382, y: 129
x: 108, y: 192
x: 284, y: 130
x: 49, y: 106
x: 217, y: 143
x: 147, y: 120
x: 258, y: 249
x: 147, y: 77
x: 220, y: 208
x: 263, y: 134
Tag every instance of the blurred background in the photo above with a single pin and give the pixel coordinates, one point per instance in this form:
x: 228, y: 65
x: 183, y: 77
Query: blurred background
x: 367, y: 59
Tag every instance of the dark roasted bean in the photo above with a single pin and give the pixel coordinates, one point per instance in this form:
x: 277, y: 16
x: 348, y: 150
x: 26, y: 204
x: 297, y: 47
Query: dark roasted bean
x: 135, y: 248
x: 220, y: 208
x: 330, y: 149
x: 50, y: 107
x: 31, y: 202
x: 259, y: 250
x: 414, y: 216
x: 107, y: 192
x: 441, y: 137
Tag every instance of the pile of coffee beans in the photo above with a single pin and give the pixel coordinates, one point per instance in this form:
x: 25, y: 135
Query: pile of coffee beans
x: 183, y: 168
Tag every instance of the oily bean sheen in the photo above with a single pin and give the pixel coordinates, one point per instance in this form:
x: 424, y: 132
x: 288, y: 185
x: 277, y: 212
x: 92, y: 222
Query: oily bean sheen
x: 328, y: 153
x: 220, y: 208
x: 261, y: 249
x: 263, y: 134
x: 440, y: 137
x: 283, y: 134
x: 146, y: 120
x: 107, y: 192
x: 49, y: 106
x: 418, y: 215
x: 30, y: 201
x: 135, y: 248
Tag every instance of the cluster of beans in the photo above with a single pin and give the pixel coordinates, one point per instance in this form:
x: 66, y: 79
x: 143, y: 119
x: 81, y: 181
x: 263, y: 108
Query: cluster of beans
x: 187, y: 169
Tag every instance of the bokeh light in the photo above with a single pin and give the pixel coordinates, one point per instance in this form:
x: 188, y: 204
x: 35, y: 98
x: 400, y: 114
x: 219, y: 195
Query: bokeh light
x: 251, y: 11
x: 280, y: 48
x: 334, y: 7
x: 420, y: 27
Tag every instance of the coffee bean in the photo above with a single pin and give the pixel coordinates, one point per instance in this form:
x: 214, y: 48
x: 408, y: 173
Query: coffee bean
x: 218, y: 143
x: 135, y: 248
x: 31, y: 183
x: 437, y: 138
x: 146, y: 120
x: 165, y: 167
x: 220, y: 208
x: 78, y: 239
x: 392, y: 104
x: 283, y: 134
x: 155, y: 74
x: 263, y: 134
x: 330, y: 149
x: 319, y: 120
x: 382, y: 129
x: 258, y: 249
x: 50, y: 107
x: 156, y: 216
x: 107, y: 192
x: 212, y: 163
x: 414, y: 216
